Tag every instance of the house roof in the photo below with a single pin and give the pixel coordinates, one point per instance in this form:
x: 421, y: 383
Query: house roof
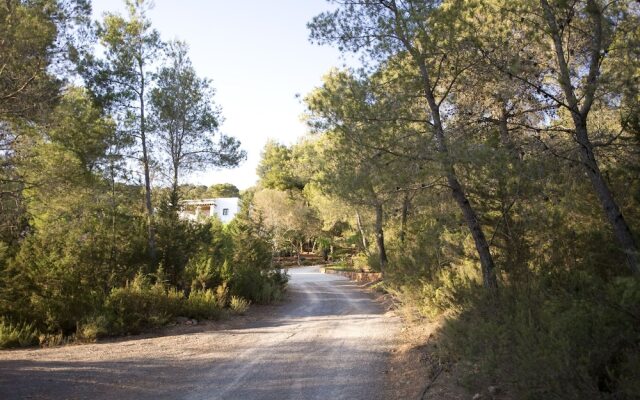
x: 205, y: 202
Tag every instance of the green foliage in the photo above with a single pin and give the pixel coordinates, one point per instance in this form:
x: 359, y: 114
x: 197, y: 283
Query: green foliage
x: 366, y: 262
x: 17, y: 335
x: 141, y: 305
x: 503, y: 105
x: 185, y: 120
x: 222, y: 295
x: 80, y: 257
x: 569, y: 337
x: 190, y: 191
x: 84, y: 236
x: 93, y: 328
x: 79, y: 127
x: 277, y: 168
x: 249, y: 283
x: 252, y: 273
x: 210, y: 267
x: 287, y: 216
x: 180, y: 244
x: 238, y: 305
x: 75, y: 263
x: 443, y: 294
x: 235, y: 259
x: 222, y: 190
x: 36, y: 37
x: 203, y: 304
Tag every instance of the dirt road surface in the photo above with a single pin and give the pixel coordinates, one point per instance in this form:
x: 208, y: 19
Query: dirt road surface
x: 330, y: 340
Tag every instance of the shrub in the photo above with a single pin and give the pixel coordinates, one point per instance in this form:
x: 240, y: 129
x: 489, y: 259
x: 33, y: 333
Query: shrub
x: 247, y: 282
x: 239, y: 305
x: 55, y: 339
x: 202, y: 304
x: 17, y: 335
x: 446, y: 293
x: 566, y: 336
x: 140, y: 305
x: 222, y: 295
x: 259, y: 287
x: 267, y: 293
x: 362, y: 261
x: 179, y: 243
x: 93, y: 329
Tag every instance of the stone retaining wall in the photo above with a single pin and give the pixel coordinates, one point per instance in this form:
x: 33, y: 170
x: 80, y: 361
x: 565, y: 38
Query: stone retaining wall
x: 354, y: 275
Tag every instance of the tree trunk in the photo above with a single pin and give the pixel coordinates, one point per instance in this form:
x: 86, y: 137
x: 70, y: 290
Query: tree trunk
x: 433, y: 109
x: 482, y: 246
x: 505, y: 138
x: 403, y: 220
x: 620, y: 227
x: 380, y: 238
x: 147, y: 178
x: 114, y: 246
x: 365, y: 245
x: 579, y: 114
x: 175, y: 194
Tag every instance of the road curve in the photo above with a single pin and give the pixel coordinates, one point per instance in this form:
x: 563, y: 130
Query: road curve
x: 330, y: 340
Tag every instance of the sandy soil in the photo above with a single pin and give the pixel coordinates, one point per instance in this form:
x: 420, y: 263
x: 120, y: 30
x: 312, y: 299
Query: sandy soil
x: 416, y: 371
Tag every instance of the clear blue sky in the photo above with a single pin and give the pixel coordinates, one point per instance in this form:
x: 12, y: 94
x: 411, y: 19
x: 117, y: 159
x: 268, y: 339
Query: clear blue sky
x: 258, y: 56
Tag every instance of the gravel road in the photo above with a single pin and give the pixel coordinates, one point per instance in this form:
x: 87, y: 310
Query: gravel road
x: 330, y: 340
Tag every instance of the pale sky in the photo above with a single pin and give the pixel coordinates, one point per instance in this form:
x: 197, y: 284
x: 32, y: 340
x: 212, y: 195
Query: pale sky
x: 258, y: 56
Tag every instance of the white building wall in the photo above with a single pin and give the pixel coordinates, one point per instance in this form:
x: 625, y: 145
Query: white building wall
x: 231, y: 204
x: 224, y: 208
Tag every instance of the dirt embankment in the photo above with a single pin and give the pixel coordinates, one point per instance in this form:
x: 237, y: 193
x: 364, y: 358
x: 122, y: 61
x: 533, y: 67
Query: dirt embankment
x: 416, y: 372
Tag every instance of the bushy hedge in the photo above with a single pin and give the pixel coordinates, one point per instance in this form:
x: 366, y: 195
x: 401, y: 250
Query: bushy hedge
x: 141, y: 305
x: 259, y: 286
x: 562, y: 335
x: 202, y: 304
x: 76, y: 278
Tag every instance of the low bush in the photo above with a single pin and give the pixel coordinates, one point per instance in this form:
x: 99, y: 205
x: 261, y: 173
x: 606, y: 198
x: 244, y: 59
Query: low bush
x: 55, y: 339
x: 260, y: 287
x: 202, y: 304
x: 17, y: 335
x: 238, y: 305
x: 362, y: 261
x: 141, y: 305
x: 93, y: 328
x: 222, y: 295
x: 568, y: 336
x: 268, y: 292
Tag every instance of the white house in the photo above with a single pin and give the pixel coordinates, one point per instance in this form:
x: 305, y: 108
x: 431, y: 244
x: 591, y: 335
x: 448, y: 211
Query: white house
x: 225, y: 208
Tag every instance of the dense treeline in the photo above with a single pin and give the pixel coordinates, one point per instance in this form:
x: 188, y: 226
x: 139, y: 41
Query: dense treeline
x: 94, y: 144
x: 486, y: 159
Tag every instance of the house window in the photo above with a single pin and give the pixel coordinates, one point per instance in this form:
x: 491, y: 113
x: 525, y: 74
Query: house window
x: 225, y: 211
